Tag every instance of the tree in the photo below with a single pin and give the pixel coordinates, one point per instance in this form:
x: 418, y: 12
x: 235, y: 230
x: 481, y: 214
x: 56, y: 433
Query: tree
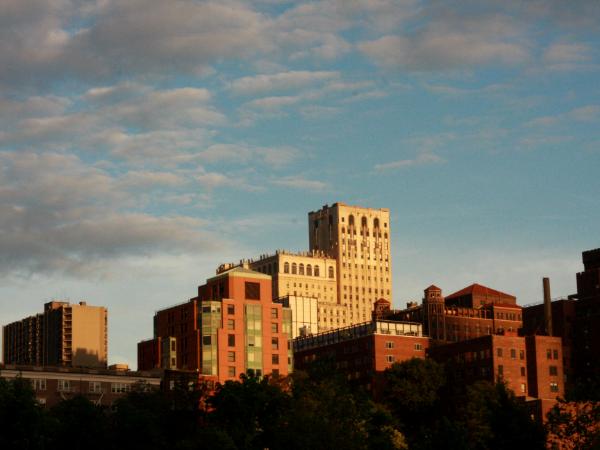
x: 22, y: 418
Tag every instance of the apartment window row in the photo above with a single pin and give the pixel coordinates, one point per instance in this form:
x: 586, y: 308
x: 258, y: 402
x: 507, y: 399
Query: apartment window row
x: 551, y: 353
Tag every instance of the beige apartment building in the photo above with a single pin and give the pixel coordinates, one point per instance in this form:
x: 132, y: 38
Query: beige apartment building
x: 306, y: 275
x: 71, y: 335
x: 358, y: 239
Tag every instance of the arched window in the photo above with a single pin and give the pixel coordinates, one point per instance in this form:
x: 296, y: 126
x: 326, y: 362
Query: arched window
x: 351, y: 220
x: 286, y: 267
x: 331, y: 272
x: 385, y: 235
x: 301, y: 269
x: 309, y: 270
x: 294, y: 268
x: 376, y: 223
x: 363, y: 222
x: 316, y: 271
x: 343, y: 230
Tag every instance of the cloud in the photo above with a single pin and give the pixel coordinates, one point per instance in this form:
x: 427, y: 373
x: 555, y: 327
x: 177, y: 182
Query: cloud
x: 449, y: 40
x: 59, y: 215
x: 261, y: 84
x: 588, y: 113
x: 421, y: 159
x: 244, y: 154
x: 298, y: 182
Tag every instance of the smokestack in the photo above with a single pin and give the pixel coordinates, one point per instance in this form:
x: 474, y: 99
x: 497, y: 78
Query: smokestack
x: 547, y: 306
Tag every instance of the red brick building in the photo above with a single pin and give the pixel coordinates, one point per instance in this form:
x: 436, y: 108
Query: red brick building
x: 230, y: 327
x: 363, y: 351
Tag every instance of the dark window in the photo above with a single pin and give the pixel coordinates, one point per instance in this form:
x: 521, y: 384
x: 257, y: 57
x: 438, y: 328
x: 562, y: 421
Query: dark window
x: 274, y: 328
x: 316, y: 271
x: 274, y: 313
x: 275, y: 359
x: 274, y: 343
x: 553, y: 387
x: 555, y: 353
x: 521, y: 354
x: 549, y: 354
x: 252, y: 290
x: 230, y: 309
x: 499, y: 352
x: 522, y: 371
x: 513, y: 353
x: 286, y: 267
x: 331, y: 273
x: 206, y: 340
x: 553, y: 370
x: 230, y: 324
x: 231, y: 340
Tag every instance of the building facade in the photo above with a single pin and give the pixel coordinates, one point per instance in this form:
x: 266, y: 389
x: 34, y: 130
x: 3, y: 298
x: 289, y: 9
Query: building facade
x: 232, y: 326
x: 306, y: 275
x: 364, y: 351
x: 65, y: 334
x: 358, y: 239
x: 100, y: 386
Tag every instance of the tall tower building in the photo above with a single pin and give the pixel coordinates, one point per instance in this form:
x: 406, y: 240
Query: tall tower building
x: 72, y: 335
x: 359, y: 240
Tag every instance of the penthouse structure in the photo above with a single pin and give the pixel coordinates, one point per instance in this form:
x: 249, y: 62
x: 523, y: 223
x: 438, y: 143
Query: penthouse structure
x: 232, y: 326
x: 70, y: 335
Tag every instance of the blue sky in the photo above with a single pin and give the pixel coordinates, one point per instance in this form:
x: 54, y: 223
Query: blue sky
x: 144, y: 142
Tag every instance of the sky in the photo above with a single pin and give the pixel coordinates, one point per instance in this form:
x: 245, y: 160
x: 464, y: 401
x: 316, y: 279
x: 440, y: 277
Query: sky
x: 144, y: 142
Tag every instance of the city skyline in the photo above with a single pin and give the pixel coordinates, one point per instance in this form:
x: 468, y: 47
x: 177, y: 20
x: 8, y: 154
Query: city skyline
x: 142, y: 145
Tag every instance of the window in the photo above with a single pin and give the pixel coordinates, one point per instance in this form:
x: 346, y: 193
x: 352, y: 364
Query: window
x: 274, y: 328
x: 231, y: 340
x: 231, y: 371
x: 553, y: 387
x: 39, y: 384
x: 230, y: 309
x: 522, y: 371
x: 521, y: 354
x: 231, y: 324
x: 64, y: 386
x: 286, y: 267
x: 390, y: 358
x: 95, y: 387
x: 555, y: 353
x: 173, y: 345
x: 301, y: 269
x: 523, y: 387
x: 331, y: 273
x: 513, y: 353
x: 274, y: 343
x: 309, y: 270
x: 316, y: 271
x: 500, y: 370
x: 499, y: 352
x: 294, y: 268
x: 549, y: 354
x: 389, y: 344
x: 206, y: 340
x: 275, y: 359
x: 120, y: 388
x: 274, y: 313
x: 230, y: 356
x: 553, y: 370
x: 418, y: 347
x: 252, y: 290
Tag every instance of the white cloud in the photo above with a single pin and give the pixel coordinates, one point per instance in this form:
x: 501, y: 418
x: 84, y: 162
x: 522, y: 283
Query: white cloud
x: 59, y: 215
x: 298, y: 182
x: 419, y: 160
x: 269, y: 83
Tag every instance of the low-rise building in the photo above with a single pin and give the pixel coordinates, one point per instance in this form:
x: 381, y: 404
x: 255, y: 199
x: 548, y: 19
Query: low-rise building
x: 100, y: 386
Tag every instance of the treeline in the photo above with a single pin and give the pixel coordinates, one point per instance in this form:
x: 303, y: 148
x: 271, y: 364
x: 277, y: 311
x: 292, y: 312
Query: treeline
x: 425, y: 406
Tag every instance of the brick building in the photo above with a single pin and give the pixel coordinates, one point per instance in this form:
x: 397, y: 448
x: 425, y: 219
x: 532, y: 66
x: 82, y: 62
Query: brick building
x: 71, y: 335
x: 363, y: 351
x: 100, y: 386
x: 230, y: 327
x: 469, y: 313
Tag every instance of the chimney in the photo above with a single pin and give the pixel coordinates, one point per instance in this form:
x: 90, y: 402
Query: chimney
x: 547, y: 306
